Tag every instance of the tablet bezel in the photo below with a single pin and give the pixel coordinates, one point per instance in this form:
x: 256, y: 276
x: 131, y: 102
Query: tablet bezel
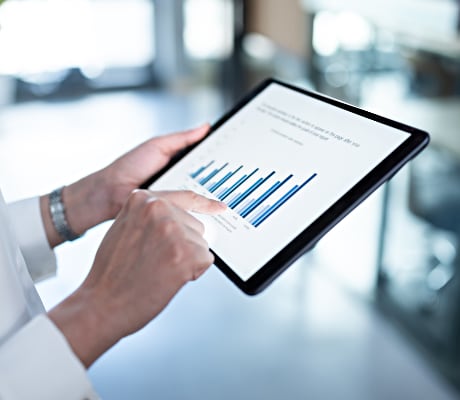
x: 303, y: 242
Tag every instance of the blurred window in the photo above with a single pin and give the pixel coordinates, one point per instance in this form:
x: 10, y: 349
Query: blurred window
x: 208, y: 30
x: 345, y: 30
x: 40, y: 37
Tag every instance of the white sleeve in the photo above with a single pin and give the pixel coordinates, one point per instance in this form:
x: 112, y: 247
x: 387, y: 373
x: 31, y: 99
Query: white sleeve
x: 27, y: 223
x: 38, y: 363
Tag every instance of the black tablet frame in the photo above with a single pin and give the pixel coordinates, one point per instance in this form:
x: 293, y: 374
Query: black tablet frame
x: 413, y: 145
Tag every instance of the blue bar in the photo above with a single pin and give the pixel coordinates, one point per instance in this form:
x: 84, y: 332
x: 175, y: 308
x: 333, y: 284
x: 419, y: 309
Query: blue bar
x: 204, y: 181
x: 238, y: 199
x: 212, y: 184
x: 234, y: 197
x: 307, y: 181
x: 200, y: 170
x: 243, y: 179
x: 217, y: 185
x: 208, y: 177
x: 275, y: 206
x: 227, y: 192
x: 265, y: 196
x: 222, y: 191
x: 259, y: 214
x: 250, y: 190
x: 244, y: 204
x: 280, y: 202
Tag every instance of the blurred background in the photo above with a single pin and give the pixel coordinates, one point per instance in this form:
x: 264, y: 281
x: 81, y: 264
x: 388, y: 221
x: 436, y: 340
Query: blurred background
x: 373, y: 312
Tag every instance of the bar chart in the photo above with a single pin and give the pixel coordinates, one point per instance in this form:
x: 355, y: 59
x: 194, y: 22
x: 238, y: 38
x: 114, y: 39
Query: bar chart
x: 252, y: 193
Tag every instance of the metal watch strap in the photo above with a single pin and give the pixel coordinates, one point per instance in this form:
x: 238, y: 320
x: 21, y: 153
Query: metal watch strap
x: 58, y: 216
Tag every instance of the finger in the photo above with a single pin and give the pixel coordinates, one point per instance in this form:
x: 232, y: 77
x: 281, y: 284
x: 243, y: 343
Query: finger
x: 172, y: 143
x: 178, y: 213
x: 137, y: 198
x: 208, y: 260
x: 197, y: 237
x: 191, y: 222
x: 202, y: 259
x: 192, y: 201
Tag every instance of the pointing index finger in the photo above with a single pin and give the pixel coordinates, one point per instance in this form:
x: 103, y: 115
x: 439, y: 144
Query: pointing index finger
x: 191, y: 201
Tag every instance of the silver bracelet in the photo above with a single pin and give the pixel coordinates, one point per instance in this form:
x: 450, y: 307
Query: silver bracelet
x: 58, y: 216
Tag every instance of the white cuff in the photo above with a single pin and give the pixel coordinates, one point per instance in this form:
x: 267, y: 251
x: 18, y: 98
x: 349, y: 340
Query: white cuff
x: 27, y: 223
x: 38, y: 363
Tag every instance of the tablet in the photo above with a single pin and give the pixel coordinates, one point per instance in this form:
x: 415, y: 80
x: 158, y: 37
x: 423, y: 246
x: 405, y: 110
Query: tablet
x: 290, y: 164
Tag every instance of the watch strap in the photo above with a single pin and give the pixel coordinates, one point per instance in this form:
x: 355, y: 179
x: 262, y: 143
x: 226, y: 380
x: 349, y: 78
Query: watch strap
x: 58, y: 216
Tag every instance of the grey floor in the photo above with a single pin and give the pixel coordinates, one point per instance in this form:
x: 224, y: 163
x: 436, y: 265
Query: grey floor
x: 313, y: 334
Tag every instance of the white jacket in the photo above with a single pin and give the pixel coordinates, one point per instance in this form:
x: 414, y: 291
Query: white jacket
x: 36, y: 362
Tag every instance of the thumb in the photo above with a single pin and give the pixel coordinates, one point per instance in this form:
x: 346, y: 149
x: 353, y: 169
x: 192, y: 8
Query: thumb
x: 171, y: 144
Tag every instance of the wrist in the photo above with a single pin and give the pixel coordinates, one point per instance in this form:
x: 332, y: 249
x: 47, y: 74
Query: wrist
x: 86, y: 202
x: 86, y: 327
x: 112, y: 195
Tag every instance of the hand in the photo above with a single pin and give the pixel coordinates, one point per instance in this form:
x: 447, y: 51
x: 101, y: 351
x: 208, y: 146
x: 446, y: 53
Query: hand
x: 153, y: 248
x: 100, y: 196
x: 132, y: 169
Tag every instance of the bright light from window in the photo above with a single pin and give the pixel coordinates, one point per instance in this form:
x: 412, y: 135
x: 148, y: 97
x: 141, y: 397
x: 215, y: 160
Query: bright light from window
x: 355, y: 33
x: 40, y: 36
x: 347, y: 31
x: 208, y: 31
x: 325, y: 38
x: 259, y: 47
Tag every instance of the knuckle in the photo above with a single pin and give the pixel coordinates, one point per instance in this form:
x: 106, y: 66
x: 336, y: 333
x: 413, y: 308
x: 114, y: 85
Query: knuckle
x: 178, y: 255
x: 185, y: 260
x: 202, y: 266
x: 210, y: 260
x: 200, y: 226
x: 201, y: 260
x: 136, y: 198
x: 156, y: 208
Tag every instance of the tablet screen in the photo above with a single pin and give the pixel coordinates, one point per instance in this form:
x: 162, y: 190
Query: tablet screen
x: 278, y: 163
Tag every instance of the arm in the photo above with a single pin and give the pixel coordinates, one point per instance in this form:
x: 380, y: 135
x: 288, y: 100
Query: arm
x: 154, y: 248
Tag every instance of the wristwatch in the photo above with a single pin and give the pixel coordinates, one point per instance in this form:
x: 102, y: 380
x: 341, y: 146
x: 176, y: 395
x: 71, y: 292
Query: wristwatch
x: 58, y: 216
